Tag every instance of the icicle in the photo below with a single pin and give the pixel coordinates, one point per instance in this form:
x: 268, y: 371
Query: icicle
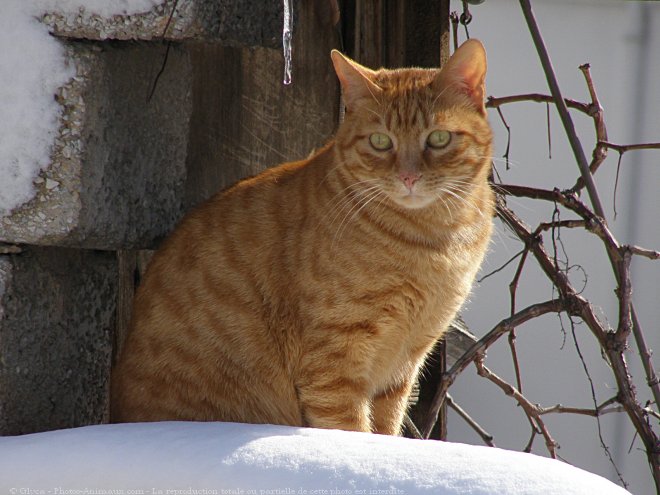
x: 287, y: 32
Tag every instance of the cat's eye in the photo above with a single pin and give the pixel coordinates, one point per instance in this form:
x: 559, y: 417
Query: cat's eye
x: 438, y: 139
x: 380, y: 141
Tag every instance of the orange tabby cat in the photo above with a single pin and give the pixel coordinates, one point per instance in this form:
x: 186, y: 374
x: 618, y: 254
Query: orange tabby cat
x: 310, y: 294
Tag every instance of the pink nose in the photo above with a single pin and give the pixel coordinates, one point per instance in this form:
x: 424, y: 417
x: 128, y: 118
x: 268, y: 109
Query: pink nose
x: 409, y: 178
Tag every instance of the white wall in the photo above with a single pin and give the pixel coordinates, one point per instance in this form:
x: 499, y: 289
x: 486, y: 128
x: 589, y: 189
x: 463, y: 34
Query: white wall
x: 608, y: 35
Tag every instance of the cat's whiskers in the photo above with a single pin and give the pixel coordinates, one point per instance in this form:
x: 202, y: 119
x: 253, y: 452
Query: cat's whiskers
x: 362, y: 202
x: 351, y: 189
x: 355, y: 190
x: 341, y: 163
x: 460, y: 190
x: 353, y: 202
x: 456, y: 190
x: 443, y: 200
x: 499, y: 159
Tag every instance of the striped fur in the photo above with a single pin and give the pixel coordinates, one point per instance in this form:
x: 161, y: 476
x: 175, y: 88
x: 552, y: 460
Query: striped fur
x: 310, y: 295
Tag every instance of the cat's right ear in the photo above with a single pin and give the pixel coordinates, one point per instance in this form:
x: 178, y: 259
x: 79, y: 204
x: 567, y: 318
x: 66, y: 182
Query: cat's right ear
x: 356, y: 81
x: 466, y: 71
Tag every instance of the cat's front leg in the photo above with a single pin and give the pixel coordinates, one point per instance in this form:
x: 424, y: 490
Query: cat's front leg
x: 335, y: 401
x: 332, y: 380
x: 389, y: 408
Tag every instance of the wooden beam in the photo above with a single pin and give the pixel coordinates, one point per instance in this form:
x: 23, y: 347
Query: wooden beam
x: 393, y: 33
x: 245, y: 119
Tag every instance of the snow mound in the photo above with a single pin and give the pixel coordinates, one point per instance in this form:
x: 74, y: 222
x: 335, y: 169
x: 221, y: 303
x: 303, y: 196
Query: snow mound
x: 236, y: 459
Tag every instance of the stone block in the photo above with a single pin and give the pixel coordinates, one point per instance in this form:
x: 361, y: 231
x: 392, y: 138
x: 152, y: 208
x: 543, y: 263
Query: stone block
x: 230, y: 22
x: 118, y: 164
x: 57, y: 311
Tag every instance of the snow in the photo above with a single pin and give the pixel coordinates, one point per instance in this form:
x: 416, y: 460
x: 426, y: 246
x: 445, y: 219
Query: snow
x: 33, y: 66
x: 237, y: 459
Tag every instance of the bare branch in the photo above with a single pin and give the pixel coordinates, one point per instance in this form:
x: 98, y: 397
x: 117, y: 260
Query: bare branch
x: 600, y: 411
x: 499, y: 269
x: 514, y: 358
x: 485, y: 436
x: 496, y: 102
x: 596, y: 112
x: 569, y: 224
x: 622, y: 148
x: 513, y: 286
x: 412, y: 427
x: 647, y: 253
x: 530, y: 409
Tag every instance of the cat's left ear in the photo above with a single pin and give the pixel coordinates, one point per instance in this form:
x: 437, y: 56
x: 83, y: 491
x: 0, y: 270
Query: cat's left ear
x: 466, y: 71
x: 356, y: 81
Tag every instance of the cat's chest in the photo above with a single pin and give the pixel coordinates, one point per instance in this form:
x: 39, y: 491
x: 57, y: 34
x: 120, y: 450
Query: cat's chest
x: 418, y: 308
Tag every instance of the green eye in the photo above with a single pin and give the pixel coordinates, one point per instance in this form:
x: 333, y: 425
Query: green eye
x: 380, y: 141
x: 438, y: 139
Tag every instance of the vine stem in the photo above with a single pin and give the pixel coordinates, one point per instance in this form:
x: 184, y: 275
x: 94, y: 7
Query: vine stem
x: 564, y: 115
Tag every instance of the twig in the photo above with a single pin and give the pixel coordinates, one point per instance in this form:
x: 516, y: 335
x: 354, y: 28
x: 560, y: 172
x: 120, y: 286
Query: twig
x: 600, y: 152
x: 507, y: 151
x: 530, y: 409
x: 592, y: 390
x: 600, y: 411
x: 575, y: 304
x: 513, y: 285
x: 499, y: 269
x: 547, y: 120
x: 412, y: 427
x: 514, y: 358
x: 569, y: 224
x: 596, y: 113
x: 485, y: 436
x: 651, y: 412
x: 647, y: 253
x: 622, y: 148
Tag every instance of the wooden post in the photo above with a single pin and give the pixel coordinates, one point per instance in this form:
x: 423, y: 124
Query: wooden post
x: 392, y: 33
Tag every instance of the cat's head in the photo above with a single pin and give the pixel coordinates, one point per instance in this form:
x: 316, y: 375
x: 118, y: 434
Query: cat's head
x: 416, y: 136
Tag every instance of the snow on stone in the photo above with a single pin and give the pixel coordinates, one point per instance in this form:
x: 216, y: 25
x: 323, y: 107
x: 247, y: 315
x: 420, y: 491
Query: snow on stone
x: 237, y: 459
x: 32, y: 67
